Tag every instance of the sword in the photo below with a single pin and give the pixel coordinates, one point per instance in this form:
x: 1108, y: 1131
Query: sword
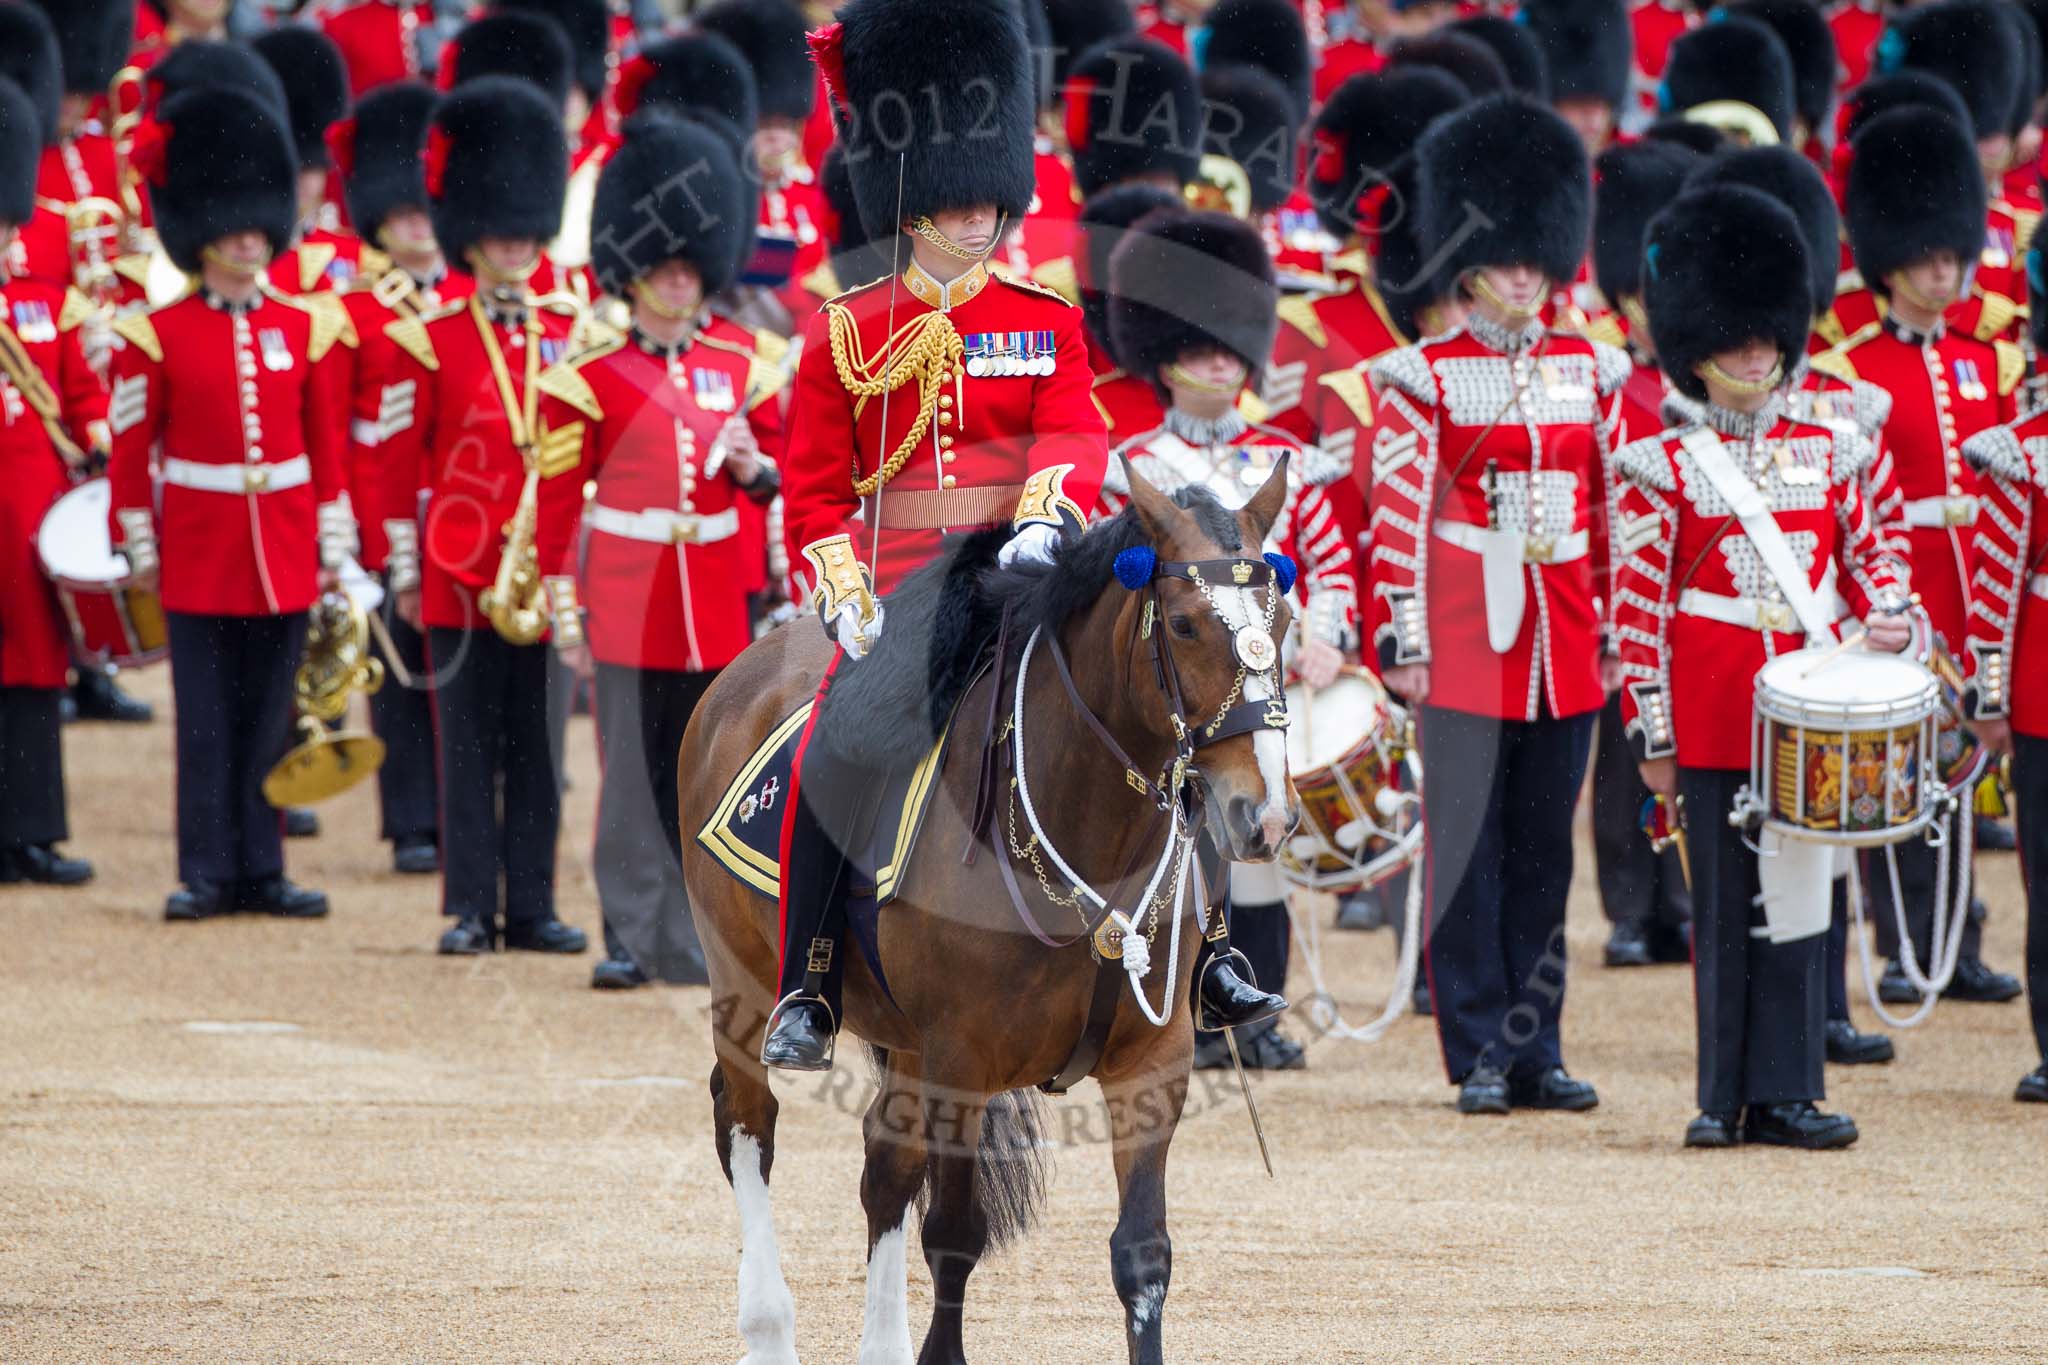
x: 1251, y: 1105
x: 888, y: 361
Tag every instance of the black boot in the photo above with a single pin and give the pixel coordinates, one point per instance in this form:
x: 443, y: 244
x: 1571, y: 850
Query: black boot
x: 2033, y: 1087
x: 198, y: 900
x: 285, y: 899
x: 817, y: 884
x: 802, y: 1038
x: 1226, y: 1000
x: 1628, y: 945
x: 1798, y: 1124
x: 1713, y: 1130
x: 1847, y: 1046
x: 96, y: 697
x: 43, y: 864
x: 1976, y: 982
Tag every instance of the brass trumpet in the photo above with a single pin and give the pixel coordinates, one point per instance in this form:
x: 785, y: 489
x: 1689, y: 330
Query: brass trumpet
x: 337, y: 665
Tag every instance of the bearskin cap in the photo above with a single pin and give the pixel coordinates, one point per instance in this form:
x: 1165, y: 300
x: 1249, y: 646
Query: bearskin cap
x: 224, y: 164
x: 1133, y: 108
x: 2028, y: 25
x: 1247, y: 117
x: 857, y: 258
x: 1463, y: 58
x: 1180, y: 280
x: 28, y: 58
x: 1724, y: 265
x: 1589, y: 45
x: 1519, y: 52
x: 1632, y: 183
x: 378, y: 151
x: 1267, y: 34
x: 1516, y: 170
x: 21, y: 154
x: 770, y: 35
x: 699, y: 75
x: 204, y: 64
x: 497, y: 165
x: 1900, y: 90
x: 1074, y: 26
x: 1967, y: 43
x: 1808, y: 41
x: 315, y: 79
x: 1105, y: 220
x: 1703, y: 138
x: 1367, y: 127
x: 1730, y: 59
x: 672, y: 190
x: 93, y: 38
x: 940, y: 90
x: 1914, y: 189
x: 1795, y: 182
x: 519, y: 45
x: 587, y: 24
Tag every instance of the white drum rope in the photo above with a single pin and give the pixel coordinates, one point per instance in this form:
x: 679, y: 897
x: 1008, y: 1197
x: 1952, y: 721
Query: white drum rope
x: 1946, y: 941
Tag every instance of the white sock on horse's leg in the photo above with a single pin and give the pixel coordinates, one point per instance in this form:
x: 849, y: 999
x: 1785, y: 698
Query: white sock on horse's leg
x: 767, y: 1312
x: 885, y: 1332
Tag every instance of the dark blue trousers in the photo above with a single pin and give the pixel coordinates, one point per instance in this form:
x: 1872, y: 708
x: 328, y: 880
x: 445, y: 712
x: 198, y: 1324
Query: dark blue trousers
x: 231, y: 683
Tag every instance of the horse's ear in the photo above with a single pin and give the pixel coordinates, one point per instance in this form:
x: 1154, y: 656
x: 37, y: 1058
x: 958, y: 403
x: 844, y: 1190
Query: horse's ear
x: 1266, y: 504
x: 1156, y: 512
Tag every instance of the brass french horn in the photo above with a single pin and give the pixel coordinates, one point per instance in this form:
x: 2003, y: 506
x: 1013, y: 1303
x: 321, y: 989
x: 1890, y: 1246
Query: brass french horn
x: 337, y: 664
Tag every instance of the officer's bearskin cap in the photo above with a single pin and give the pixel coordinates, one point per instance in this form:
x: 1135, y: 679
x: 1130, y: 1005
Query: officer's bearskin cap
x: 1703, y: 138
x: 699, y: 75
x: 1181, y: 280
x: 517, y: 45
x: 1104, y: 221
x: 857, y: 258
x: 497, y: 165
x: 671, y: 190
x: 21, y: 154
x: 93, y: 38
x: 1795, y: 182
x: 940, y: 90
x: 217, y: 161
x: 377, y: 150
x: 28, y: 57
x: 1463, y: 58
x: 1804, y: 31
x: 587, y: 24
x: 1368, y: 126
x: 770, y: 35
x: 1589, y: 45
x: 1730, y: 59
x: 1503, y: 181
x: 1267, y: 34
x: 315, y: 79
x: 1968, y: 43
x: 1724, y: 265
x: 1247, y: 117
x: 1632, y: 183
x: 1074, y: 26
x: 1133, y: 108
x: 1914, y: 189
x: 1519, y: 52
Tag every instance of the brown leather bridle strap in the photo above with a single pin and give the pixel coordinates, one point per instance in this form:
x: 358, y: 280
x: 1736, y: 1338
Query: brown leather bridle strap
x: 1133, y: 775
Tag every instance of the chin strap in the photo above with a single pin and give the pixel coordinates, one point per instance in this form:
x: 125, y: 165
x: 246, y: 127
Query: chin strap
x: 481, y: 267
x: 645, y: 297
x: 1900, y: 285
x: 924, y: 227
x: 213, y: 256
x: 1181, y: 378
x: 1708, y: 369
x: 1475, y: 281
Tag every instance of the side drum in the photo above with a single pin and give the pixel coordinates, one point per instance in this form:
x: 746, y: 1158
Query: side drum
x: 110, y: 617
x: 1345, y: 750
x: 1843, y: 749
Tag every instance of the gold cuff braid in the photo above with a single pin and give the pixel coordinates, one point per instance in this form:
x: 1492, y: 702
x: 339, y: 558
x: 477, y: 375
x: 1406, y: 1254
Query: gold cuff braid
x: 1045, y: 501
x: 842, y: 578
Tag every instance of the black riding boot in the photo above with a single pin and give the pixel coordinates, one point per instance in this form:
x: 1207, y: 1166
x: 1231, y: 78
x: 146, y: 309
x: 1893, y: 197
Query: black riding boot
x: 1224, y: 998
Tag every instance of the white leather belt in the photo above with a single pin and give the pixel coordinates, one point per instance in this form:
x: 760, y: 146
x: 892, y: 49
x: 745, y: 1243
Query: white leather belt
x: 1534, y: 549
x: 239, y: 478
x: 660, y: 526
x: 1924, y: 513
x: 1751, y: 613
x: 2038, y: 585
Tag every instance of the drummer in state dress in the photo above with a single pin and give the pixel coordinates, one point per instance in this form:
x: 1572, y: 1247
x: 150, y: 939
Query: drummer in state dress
x: 1728, y: 526
x: 2007, y: 654
x: 224, y: 391
x: 53, y: 412
x: 1191, y: 309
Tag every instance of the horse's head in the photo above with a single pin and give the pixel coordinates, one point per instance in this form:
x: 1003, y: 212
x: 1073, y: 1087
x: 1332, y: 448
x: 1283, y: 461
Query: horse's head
x: 1211, y: 620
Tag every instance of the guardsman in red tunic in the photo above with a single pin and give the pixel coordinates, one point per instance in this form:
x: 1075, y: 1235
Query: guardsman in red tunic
x: 92, y: 40
x: 1590, y: 46
x: 2007, y: 651
x: 1200, y: 356
x: 1642, y: 891
x: 379, y: 39
x: 1730, y: 527
x: 990, y: 422
x: 376, y: 152
x: 1915, y: 209
x: 1856, y: 25
x: 1134, y: 112
x: 681, y: 426
x: 224, y: 394
x: 323, y: 255
x: 1128, y: 403
x: 52, y: 424
x: 1488, y: 585
x: 1251, y: 121
x: 496, y: 498
x: 1653, y: 26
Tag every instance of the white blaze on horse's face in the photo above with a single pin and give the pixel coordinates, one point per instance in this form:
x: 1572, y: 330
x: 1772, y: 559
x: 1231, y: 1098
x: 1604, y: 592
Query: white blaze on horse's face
x: 1239, y: 609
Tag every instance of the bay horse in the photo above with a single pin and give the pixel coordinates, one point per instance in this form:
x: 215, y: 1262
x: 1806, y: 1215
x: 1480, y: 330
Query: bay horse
x: 974, y: 1011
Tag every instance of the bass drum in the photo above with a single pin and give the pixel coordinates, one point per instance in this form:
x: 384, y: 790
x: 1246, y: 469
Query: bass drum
x: 1360, y: 814
x: 111, y: 618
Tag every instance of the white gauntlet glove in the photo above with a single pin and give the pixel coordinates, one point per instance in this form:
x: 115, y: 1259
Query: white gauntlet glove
x: 845, y: 628
x: 1034, y: 544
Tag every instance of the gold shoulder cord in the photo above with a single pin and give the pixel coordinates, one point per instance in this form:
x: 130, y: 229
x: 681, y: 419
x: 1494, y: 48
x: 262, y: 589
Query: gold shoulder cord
x: 924, y: 349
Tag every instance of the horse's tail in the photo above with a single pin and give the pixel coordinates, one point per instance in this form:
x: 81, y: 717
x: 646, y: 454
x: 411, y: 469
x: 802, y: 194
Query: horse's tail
x: 1014, y: 1164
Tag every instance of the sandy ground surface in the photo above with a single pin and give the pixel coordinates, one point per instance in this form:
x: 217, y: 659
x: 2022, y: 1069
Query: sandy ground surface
x: 250, y: 1140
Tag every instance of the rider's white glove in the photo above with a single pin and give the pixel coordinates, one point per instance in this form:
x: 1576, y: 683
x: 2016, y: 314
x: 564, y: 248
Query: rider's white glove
x: 1032, y: 545
x: 853, y: 637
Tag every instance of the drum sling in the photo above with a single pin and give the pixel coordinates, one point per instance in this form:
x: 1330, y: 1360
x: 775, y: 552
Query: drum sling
x: 35, y: 390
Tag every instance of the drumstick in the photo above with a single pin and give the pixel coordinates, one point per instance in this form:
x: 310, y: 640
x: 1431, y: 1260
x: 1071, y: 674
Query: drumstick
x: 1854, y: 638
